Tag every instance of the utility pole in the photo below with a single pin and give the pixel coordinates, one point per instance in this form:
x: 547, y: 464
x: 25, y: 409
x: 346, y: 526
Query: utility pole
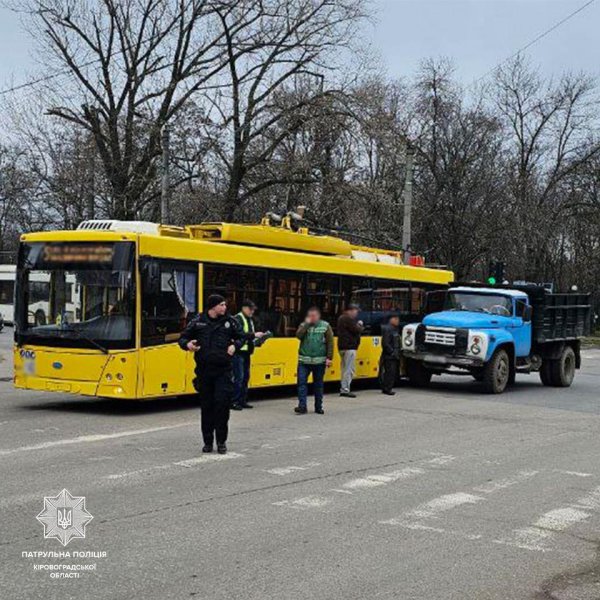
x: 91, y: 192
x: 407, y: 197
x: 164, y: 191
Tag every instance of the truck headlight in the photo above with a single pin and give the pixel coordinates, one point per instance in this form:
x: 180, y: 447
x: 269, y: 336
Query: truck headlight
x: 408, y: 337
x: 477, y: 344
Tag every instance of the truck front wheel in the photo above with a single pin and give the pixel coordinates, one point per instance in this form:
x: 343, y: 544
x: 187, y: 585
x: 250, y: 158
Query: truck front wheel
x: 496, y: 373
x: 563, y: 368
x: 417, y: 373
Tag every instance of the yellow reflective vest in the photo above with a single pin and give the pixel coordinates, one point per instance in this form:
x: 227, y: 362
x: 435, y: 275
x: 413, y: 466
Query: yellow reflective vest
x: 248, y: 327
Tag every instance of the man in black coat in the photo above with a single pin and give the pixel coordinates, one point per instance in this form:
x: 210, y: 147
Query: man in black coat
x: 214, y: 337
x: 349, y: 330
x: 389, y: 366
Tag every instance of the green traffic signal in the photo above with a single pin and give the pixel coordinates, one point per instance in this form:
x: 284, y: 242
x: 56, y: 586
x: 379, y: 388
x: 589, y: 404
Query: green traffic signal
x: 491, y: 280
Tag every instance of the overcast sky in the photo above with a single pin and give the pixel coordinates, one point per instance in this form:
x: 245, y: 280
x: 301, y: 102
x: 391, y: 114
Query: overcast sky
x: 477, y: 34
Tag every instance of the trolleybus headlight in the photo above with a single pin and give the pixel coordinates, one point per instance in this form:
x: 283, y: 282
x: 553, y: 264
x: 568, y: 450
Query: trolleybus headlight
x: 108, y: 377
x: 475, y: 349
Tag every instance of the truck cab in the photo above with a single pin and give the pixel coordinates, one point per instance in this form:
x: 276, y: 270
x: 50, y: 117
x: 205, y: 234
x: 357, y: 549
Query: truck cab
x: 490, y: 333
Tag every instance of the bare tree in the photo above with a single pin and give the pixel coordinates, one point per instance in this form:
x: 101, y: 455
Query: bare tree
x: 17, y: 188
x: 131, y: 67
x: 552, y: 132
x: 291, y: 41
x: 459, y: 200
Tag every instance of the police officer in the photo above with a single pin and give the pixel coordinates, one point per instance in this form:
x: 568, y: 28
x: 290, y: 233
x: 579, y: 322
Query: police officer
x: 241, y: 359
x: 214, y: 337
x: 390, y: 355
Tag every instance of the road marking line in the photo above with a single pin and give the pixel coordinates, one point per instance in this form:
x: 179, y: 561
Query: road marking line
x: 591, y: 501
x: 501, y: 484
x: 137, y: 472
x: 87, y: 439
x: 421, y: 527
x: 574, y: 473
x: 441, y: 459
x: 415, y: 518
x: 432, y: 509
x: 383, y: 478
x: 188, y: 463
x: 555, y: 521
x: 362, y: 483
x: 198, y: 460
x: 305, y: 502
x: 560, y: 518
x: 443, y: 504
x: 281, y: 471
x: 535, y: 536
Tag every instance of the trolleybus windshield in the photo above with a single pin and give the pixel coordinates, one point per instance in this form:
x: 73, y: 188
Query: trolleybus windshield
x: 77, y: 294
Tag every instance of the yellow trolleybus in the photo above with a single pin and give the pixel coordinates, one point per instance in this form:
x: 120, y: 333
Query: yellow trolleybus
x: 119, y: 294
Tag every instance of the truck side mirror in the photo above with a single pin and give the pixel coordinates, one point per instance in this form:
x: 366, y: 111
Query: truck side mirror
x: 527, y: 313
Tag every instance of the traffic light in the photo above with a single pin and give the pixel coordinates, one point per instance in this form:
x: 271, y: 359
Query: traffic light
x: 495, y: 272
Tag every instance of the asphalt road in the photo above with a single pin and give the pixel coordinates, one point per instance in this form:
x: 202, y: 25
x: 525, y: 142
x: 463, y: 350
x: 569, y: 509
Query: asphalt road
x: 443, y: 493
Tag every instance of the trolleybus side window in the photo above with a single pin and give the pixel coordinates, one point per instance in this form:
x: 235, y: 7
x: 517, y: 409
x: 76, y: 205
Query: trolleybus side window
x: 237, y: 284
x: 359, y: 290
x: 325, y: 292
x: 169, y: 297
x: 284, y: 308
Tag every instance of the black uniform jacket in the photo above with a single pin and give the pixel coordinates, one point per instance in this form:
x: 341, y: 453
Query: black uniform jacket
x: 390, y: 342
x: 213, y: 336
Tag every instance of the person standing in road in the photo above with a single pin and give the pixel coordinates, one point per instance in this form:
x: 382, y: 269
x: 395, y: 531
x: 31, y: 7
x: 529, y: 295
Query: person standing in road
x: 389, y: 365
x: 349, y: 329
x: 315, y: 355
x: 214, y: 336
x: 241, y: 359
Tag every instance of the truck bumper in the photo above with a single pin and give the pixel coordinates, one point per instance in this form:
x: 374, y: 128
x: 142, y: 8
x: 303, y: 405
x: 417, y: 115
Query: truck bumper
x: 433, y: 360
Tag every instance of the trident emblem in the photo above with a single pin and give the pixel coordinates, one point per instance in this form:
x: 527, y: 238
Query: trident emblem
x: 64, y: 517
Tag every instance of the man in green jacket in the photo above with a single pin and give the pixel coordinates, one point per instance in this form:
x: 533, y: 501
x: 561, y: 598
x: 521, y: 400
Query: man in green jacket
x: 315, y: 355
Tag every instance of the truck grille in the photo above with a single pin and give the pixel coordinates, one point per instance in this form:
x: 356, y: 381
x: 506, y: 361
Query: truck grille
x: 443, y: 338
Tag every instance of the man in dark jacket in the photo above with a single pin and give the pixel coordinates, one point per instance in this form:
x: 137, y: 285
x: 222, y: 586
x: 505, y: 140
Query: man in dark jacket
x: 214, y: 336
x: 390, y: 355
x: 349, y: 329
x: 241, y: 359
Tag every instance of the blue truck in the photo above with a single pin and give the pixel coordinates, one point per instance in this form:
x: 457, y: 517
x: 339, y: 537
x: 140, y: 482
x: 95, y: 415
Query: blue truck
x: 493, y: 333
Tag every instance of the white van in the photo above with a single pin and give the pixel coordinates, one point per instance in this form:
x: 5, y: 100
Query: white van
x: 7, y: 292
x: 39, y: 294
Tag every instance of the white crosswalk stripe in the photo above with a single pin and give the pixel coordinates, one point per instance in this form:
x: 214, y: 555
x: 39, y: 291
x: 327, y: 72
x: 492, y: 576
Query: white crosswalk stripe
x: 375, y: 480
x: 540, y: 535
